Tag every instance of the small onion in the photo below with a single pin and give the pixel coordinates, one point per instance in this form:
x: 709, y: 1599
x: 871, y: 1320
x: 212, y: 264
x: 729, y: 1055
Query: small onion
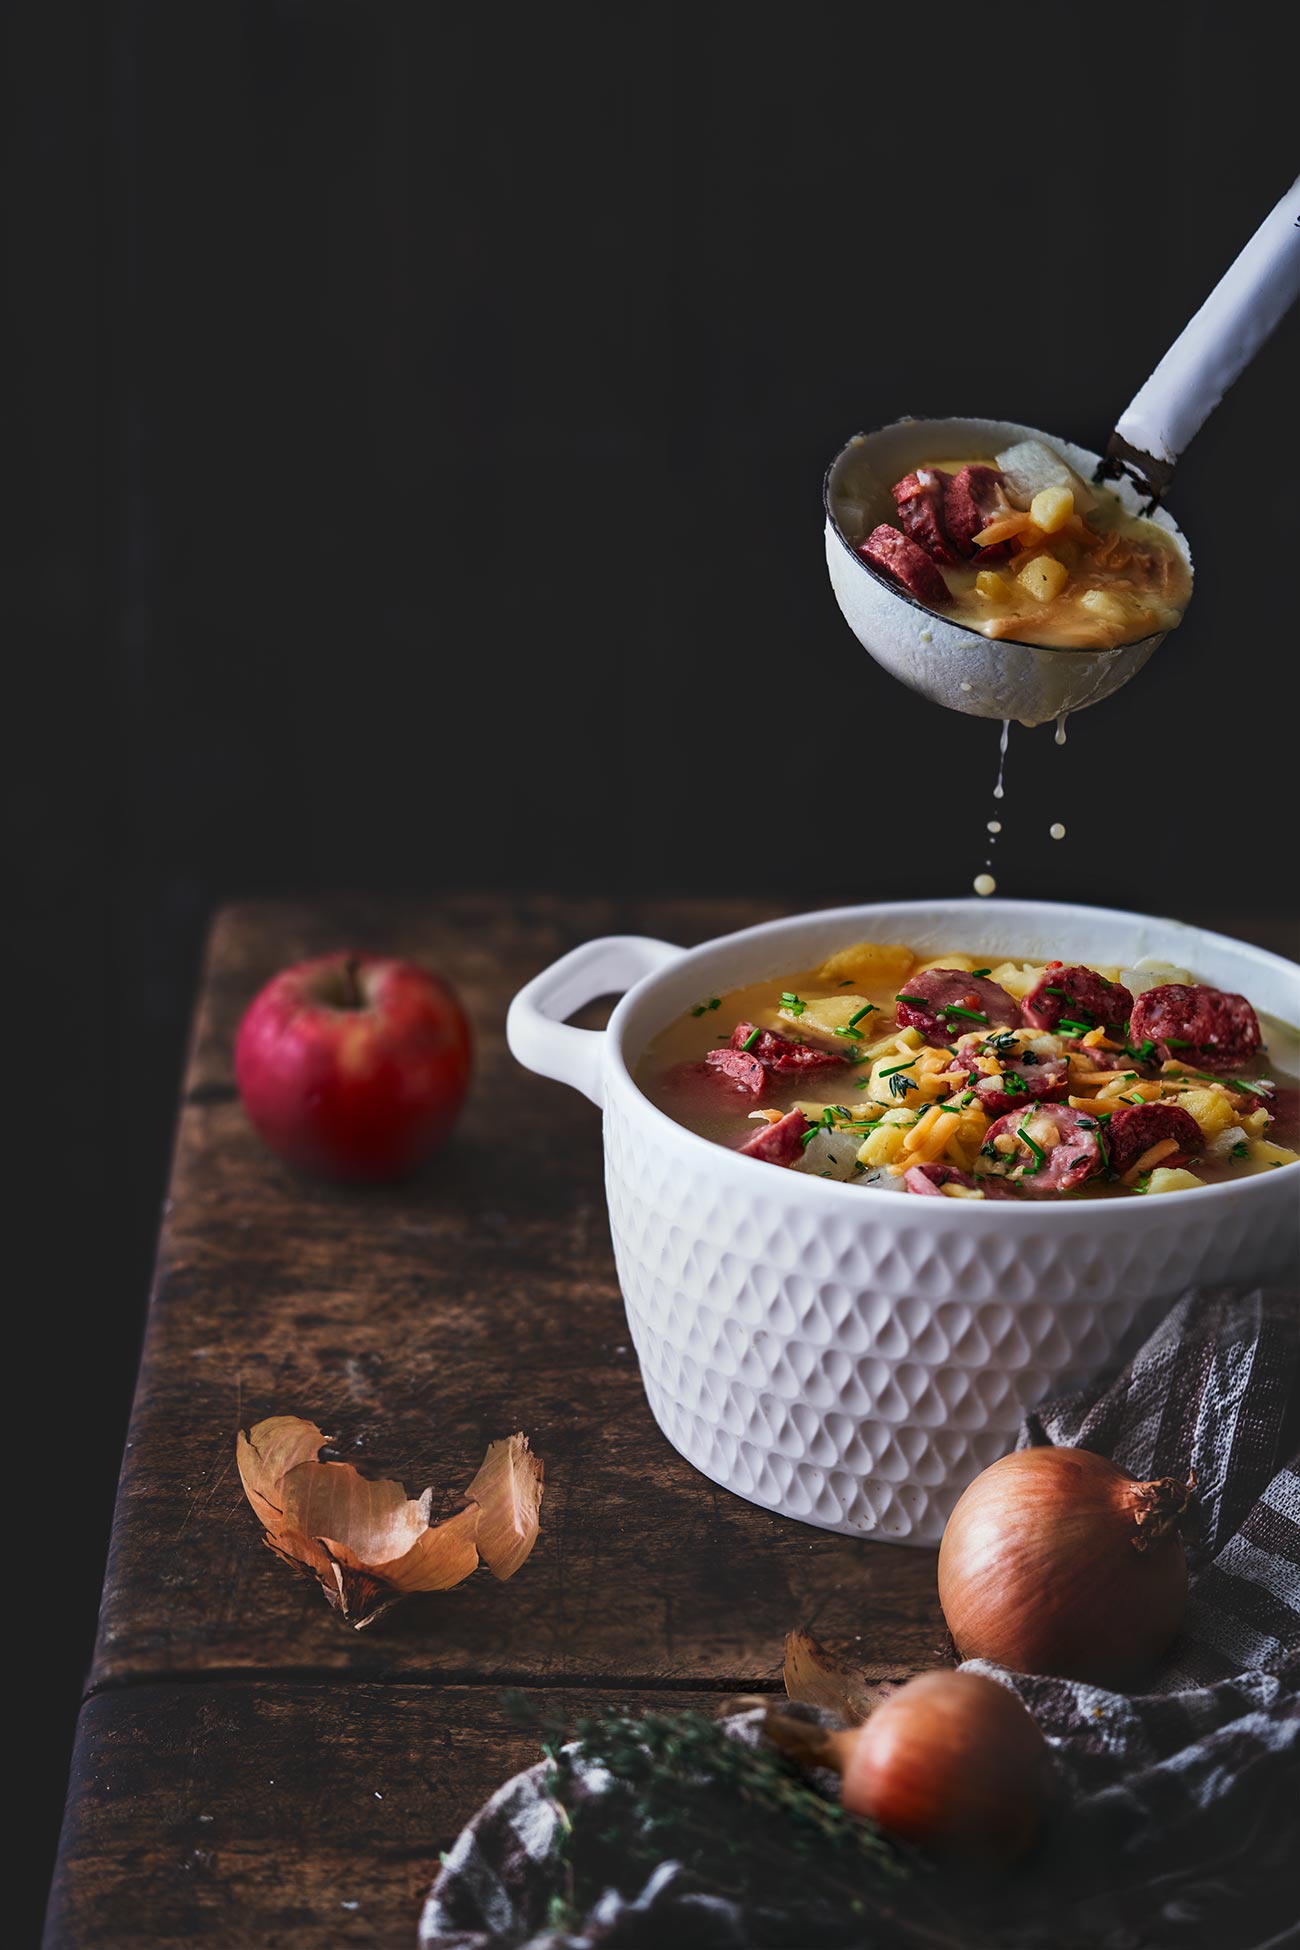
x: 1057, y: 1561
x: 951, y: 1762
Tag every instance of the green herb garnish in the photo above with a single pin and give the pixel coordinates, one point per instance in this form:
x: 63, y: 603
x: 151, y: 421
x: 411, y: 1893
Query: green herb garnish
x: 899, y: 1086
x: 868, y: 1008
x: 1073, y: 1028
x: 751, y: 1039
x: 978, y: 972
x: 1031, y: 1171
x: 793, y: 1003
x: 702, y: 1008
x: 1240, y: 1149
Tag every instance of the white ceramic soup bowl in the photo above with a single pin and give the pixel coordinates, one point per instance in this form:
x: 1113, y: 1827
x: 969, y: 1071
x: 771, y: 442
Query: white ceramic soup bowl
x: 853, y: 1357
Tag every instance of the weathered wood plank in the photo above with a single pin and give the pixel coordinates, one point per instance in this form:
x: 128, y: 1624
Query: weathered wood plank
x: 416, y: 1324
x: 276, y: 1815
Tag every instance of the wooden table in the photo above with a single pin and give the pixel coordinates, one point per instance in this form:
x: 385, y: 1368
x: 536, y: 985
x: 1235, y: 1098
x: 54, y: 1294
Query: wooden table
x: 249, y: 1771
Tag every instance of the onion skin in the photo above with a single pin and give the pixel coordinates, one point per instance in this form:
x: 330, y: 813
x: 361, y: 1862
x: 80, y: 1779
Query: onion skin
x: 1057, y: 1561
x: 953, y: 1763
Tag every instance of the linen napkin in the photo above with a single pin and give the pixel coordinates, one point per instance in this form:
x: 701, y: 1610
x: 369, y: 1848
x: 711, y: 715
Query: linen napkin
x: 1177, y: 1824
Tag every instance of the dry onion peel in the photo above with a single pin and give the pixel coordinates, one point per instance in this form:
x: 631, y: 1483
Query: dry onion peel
x: 364, y: 1539
x: 1057, y: 1561
x: 816, y: 1676
x: 950, y: 1761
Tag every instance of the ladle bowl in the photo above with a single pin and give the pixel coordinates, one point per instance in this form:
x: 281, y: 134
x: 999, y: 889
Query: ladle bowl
x: 994, y: 677
x: 952, y: 663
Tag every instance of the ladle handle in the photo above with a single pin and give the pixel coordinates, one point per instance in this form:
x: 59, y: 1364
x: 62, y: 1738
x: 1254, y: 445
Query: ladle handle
x: 1250, y: 299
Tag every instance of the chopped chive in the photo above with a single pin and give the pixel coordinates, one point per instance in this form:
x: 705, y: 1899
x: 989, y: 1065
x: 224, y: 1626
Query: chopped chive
x: 971, y: 1015
x: 1178, y: 1042
x: 855, y: 1035
x: 977, y: 972
x: 751, y: 1039
x: 1063, y: 993
x: 1073, y: 1028
x: 702, y: 1008
x: 793, y: 1003
x: 1031, y: 1171
x: 898, y: 1066
x: 949, y: 1110
x: 919, y: 1000
x: 867, y: 1009
x: 1240, y: 1150
x: 968, y: 1098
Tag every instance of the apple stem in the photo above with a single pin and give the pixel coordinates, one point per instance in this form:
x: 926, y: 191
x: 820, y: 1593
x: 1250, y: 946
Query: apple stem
x: 353, y: 996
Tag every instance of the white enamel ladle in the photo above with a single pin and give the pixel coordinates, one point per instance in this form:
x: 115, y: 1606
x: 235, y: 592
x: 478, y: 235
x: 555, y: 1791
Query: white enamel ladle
x: 996, y: 677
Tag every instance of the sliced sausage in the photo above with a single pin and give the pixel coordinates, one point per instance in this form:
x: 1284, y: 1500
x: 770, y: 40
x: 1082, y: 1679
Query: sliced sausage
x: 1026, y: 1079
x: 1044, y: 1169
x: 932, y: 1178
x: 1209, y: 1029
x: 946, y: 1002
x: 1077, y: 995
x: 780, y: 1143
x: 742, y: 1069
x: 890, y: 551
x: 970, y: 498
x: 781, y: 1053
x: 1134, y: 1128
x: 920, y: 498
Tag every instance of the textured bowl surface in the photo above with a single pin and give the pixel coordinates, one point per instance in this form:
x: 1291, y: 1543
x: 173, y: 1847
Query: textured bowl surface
x: 851, y: 1357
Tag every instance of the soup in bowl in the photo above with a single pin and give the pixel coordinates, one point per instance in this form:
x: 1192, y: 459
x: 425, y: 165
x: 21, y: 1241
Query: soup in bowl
x: 848, y: 1352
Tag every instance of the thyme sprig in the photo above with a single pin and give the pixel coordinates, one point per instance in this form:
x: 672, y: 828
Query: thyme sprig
x: 742, y: 1820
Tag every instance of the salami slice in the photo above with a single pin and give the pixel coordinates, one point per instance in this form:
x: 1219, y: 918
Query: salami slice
x: 1209, y: 1029
x: 890, y: 551
x: 780, y: 1053
x: 946, y: 1002
x: 1076, y: 995
x: 1136, y: 1127
x: 1037, y: 1165
x: 931, y: 1179
x: 920, y: 499
x: 970, y: 498
x: 780, y: 1143
x: 740, y: 1068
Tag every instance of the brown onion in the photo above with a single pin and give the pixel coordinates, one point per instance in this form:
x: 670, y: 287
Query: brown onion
x: 1057, y: 1561
x: 951, y: 1762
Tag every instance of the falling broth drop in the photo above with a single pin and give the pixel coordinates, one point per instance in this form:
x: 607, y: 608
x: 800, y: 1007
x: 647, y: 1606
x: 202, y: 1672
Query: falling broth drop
x: 1060, y: 727
x: 1002, y: 757
x: 995, y: 826
x: 985, y: 883
x: 1057, y: 831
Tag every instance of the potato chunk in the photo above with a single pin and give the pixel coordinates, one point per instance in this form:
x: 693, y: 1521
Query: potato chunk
x: 1051, y: 508
x: 1043, y: 578
x: 884, y: 1145
x: 1017, y: 978
x: 993, y: 587
x: 1211, y: 1109
x: 870, y: 962
x: 1163, y: 1179
x: 1104, y: 605
x: 827, y: 1014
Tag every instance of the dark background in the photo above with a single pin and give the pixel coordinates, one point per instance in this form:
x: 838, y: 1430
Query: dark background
x: 417, y: 419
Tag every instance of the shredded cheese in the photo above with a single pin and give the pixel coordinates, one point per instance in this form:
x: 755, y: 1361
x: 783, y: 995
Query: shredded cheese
x: 1150, y: 1157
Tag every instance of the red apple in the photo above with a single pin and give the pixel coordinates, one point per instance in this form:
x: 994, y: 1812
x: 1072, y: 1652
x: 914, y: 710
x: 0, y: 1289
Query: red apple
x: 354, y: 1066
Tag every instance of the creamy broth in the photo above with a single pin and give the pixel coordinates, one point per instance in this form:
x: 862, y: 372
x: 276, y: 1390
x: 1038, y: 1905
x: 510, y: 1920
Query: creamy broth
x: 1067, y: 567
x: 1239, y: 1131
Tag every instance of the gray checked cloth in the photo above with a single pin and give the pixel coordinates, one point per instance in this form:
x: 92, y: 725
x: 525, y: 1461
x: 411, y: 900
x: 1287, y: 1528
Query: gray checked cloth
x: 1177, y: 1823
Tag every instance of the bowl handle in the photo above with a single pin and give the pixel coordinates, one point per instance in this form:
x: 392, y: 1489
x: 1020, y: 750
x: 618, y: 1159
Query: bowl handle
x: 536, y: 1031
